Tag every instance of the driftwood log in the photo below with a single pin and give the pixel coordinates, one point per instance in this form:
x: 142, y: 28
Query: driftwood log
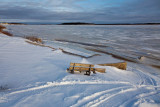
x: 121, y: 65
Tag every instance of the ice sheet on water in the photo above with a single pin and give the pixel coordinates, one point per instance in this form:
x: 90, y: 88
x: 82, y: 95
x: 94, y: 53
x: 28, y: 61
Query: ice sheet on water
x: 124, y: 39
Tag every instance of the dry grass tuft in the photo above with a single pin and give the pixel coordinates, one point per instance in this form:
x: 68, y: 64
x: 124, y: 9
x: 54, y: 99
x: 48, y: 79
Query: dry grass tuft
x: 34, y: 39
x: 39, y: 44
x: 4, y: 32
x: 2, y: 27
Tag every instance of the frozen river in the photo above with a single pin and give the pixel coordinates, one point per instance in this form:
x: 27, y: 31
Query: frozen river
x: 128, y: 41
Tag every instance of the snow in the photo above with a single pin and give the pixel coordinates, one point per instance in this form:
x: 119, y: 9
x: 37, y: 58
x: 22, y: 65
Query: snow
x: 148, y: 105
x: 34, y: 76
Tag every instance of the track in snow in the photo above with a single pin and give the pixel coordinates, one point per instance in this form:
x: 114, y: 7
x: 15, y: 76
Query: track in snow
x: 126, y: 94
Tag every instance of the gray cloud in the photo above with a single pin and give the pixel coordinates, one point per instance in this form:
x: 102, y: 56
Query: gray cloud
x: 135, y: 11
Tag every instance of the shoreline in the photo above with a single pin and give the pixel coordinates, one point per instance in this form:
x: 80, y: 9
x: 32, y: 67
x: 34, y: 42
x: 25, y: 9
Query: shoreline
x: 4, y: 32
x: 75, y: 23
x: 39, y: 42
x: 137, y: 61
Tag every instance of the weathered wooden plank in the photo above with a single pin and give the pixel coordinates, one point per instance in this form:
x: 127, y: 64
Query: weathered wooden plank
x: 121, y: 65
x: 80, y: 64
x: 102, y: 70
x: 80, y: 69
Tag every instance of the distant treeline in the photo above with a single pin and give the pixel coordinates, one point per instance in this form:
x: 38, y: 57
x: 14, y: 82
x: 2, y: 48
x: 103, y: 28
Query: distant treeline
x: 17, y: 23
x: 83, y: 23
x: 76, y: 23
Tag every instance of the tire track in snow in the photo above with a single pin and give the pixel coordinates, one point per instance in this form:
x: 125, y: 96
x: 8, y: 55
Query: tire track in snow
x: 145, y: 77
x: 95, y: 95
x: 65, y: 83
x: 105, y: 98
x: 135, y: 100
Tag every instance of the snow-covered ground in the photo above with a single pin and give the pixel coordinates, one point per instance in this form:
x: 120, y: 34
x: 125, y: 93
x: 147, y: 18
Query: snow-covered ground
x: 34, y: 76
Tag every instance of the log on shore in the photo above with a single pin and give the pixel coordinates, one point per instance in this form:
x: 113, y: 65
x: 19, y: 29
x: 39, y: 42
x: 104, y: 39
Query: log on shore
x: 121, y: 65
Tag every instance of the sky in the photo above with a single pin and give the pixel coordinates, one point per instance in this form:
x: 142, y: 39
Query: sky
x: 93, y: 11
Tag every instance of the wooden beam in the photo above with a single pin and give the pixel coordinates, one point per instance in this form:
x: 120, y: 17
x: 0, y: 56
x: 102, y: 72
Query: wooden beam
x: 80, y: 64
x: 102, y: 70
x: 121, y: 65
x: 80, y: 69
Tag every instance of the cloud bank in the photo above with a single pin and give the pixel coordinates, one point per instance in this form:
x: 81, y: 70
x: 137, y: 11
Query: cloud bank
x: 99, y: 11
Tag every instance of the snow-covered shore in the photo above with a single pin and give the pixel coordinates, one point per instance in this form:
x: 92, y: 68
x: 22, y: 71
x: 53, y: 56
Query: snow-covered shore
x: 34, y: 76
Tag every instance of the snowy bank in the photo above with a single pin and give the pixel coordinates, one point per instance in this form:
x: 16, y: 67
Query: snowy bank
x: 35, y: 76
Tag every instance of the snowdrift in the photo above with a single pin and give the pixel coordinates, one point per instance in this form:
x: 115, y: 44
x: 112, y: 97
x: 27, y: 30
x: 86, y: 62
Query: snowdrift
x: 35, y: 76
